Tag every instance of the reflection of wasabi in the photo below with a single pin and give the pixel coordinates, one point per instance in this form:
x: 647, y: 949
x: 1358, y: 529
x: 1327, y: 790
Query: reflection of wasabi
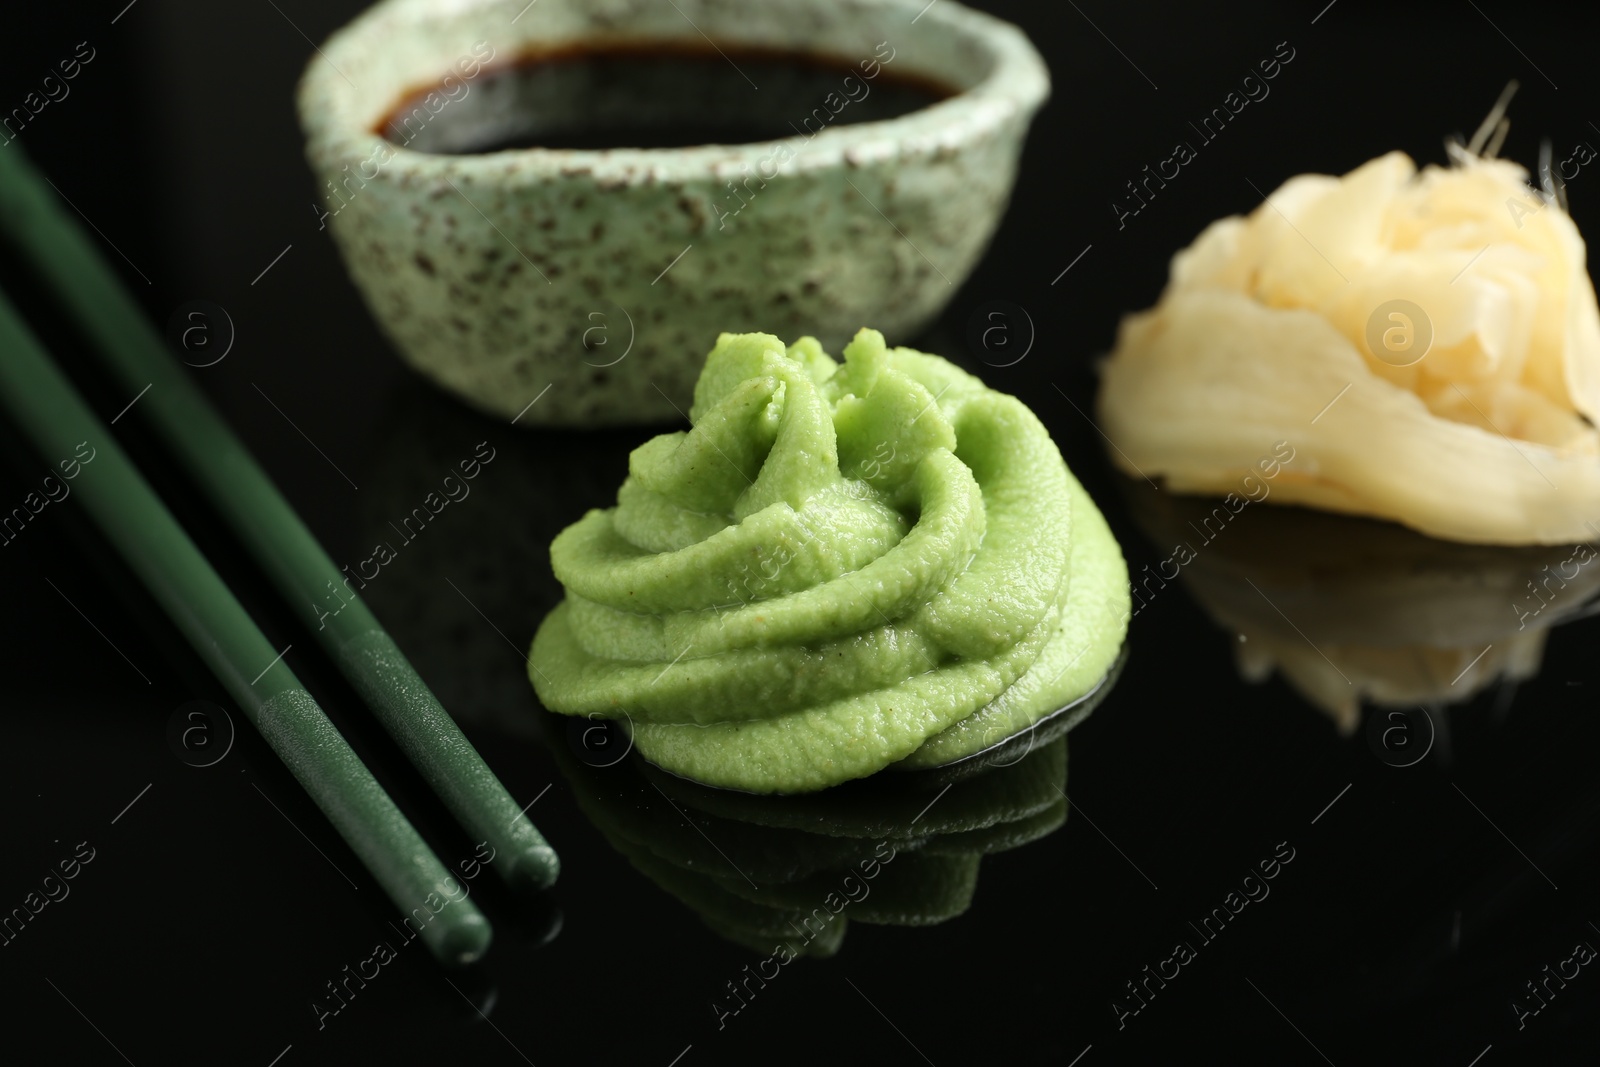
x: 835, y: 569
x: 788, y: 875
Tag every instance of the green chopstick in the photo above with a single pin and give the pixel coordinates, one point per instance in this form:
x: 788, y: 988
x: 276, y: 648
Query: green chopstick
x: 59, y: 248
x: 50, y: 411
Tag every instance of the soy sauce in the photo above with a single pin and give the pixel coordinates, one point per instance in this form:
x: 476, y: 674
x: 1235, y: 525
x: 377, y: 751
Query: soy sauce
x: 655, y: 96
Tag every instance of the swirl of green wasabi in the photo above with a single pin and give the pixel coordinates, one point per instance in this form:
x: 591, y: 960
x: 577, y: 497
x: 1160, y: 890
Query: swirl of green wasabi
x: 837, y: 568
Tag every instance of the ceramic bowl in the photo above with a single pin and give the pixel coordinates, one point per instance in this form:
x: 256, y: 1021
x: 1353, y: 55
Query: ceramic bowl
x: 566, y: 286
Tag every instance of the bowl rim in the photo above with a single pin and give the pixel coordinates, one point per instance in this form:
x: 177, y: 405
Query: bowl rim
x: 335, y: 115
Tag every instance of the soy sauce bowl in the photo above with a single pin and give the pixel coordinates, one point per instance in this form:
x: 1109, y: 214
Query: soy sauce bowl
x: 602, y: 273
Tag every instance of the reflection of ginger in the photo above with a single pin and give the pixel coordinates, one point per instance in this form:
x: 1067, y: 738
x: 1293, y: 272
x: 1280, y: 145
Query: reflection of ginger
x: 1385, y: 677
x: 1351, y: 610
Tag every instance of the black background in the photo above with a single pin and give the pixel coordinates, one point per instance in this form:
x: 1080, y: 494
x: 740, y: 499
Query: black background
x: 1400, y: 934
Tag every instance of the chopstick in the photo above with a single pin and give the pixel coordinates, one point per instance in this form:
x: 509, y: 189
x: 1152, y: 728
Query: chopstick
x: 44, y: 403
x: 59, y: 248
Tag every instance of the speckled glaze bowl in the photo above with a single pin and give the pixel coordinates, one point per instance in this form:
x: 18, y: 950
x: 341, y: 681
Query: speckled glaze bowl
x: 589, y: 284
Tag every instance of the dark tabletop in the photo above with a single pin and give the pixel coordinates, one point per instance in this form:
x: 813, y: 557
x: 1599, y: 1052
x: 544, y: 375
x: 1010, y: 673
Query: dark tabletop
x: 1440, y: 862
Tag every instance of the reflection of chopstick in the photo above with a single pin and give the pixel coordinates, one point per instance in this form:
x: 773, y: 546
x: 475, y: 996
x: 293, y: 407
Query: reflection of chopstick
x: 41, y: 400
x: 59, y: 249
